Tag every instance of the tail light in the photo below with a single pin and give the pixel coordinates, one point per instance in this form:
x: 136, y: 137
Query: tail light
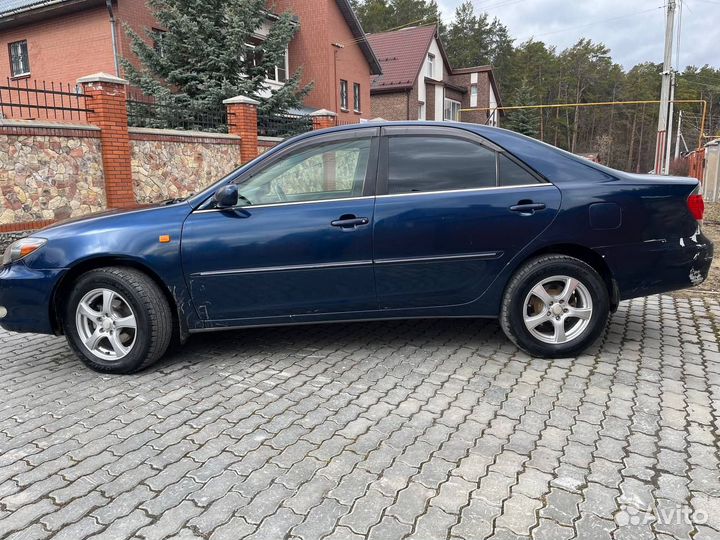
x: 696, y: 205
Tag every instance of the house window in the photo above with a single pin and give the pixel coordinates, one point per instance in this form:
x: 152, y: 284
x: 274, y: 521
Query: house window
x: 431, y: 65
x: 356, y: 97
x: 282, y: 69
x: 276, y: 73
x: 344, y: 95
x: 452, y: 110
x: 19, y: 61
x: 474, y: 95
x: 158, y: 39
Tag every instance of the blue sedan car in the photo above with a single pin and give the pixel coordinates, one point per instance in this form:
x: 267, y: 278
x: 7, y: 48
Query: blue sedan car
x: 373, y: 221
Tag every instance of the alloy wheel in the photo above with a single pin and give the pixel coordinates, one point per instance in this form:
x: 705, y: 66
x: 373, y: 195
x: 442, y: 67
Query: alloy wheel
x: 106, y: 324
x: 557, y: 310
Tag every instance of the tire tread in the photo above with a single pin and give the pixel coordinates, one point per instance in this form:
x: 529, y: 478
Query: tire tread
x: 156, y: 307
x: 517, y: 279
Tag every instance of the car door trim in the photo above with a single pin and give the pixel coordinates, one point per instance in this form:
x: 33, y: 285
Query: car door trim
x: 439, y: 258
x: 287, y: 268
x: 289, y: 203
x: 344, y: 264
x: 467, y: 190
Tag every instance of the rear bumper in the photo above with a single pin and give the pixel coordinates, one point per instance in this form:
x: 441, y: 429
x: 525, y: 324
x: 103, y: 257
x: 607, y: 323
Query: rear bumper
x: 27, y: 295
x: 659, y: 266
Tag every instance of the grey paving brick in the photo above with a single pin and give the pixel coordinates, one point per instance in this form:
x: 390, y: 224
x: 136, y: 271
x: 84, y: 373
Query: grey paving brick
x: 366, y: 512
x: 170, y: 522
x: 218, y: 513
x: 421, y: 429
x: 321, y: 520
x: 234, y: 529
x: 23, y: 517
x: 73, y: 511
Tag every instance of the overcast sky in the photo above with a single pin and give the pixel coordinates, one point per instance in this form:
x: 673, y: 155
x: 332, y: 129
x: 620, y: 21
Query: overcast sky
x: 633, y: 29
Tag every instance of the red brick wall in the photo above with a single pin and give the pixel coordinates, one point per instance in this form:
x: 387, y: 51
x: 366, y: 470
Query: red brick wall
x: 321, y: 25
x: 66, y: 47
x: 63, y: 48
x: 137, y: 15
x: 463, y: 79
x: 430, y: 100
x: 394, y: 105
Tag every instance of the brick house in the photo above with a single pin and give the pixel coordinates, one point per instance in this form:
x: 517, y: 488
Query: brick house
x: 418, y: 82
x: 62, y: 40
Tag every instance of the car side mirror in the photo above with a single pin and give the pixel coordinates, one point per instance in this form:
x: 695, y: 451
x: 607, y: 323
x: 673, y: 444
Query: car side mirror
x: 226, y: 196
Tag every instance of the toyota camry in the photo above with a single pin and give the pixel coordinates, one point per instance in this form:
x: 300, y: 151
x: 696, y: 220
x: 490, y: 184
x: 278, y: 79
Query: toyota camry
x: 372, y: 221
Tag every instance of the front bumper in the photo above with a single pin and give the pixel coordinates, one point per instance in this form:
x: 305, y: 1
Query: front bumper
x: 26, y: 293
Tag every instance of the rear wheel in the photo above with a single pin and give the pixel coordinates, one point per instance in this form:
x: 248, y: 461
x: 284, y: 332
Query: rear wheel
x: 117, y: 320
x: 555, y: 306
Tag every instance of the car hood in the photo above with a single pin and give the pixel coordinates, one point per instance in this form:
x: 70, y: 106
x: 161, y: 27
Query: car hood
x: 114, y: 219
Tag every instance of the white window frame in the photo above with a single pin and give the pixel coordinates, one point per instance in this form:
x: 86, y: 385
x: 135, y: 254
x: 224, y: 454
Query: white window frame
x: 24, y: 58
x: 276, y: 78
x: 473, y: 95
x: 344, y: 95
x: 431, y: 65
x: 455, y: 107
x: 357, y: 101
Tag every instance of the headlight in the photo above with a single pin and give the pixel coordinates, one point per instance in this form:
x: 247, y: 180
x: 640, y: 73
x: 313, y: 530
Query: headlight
x: 21, y: 249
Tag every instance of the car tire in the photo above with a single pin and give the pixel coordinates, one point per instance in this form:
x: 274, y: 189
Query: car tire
x: 555, y: 306
x: 117, y: 320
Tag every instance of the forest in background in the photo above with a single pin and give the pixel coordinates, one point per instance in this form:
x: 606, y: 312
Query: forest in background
x: 534, y: 73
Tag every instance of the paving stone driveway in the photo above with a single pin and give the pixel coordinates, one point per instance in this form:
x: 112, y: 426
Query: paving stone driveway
x: 421, y: 429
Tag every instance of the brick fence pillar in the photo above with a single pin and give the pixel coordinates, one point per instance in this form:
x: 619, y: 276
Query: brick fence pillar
x: 323, y: 119
x: 242, y: 121
x: 107, y: 99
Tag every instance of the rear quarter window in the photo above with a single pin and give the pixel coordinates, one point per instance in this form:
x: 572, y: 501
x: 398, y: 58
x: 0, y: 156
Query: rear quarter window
x: 512, y: 174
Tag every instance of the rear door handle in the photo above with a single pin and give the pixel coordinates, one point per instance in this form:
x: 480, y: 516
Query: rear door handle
x: 527, y: 208
x: 349, y: 222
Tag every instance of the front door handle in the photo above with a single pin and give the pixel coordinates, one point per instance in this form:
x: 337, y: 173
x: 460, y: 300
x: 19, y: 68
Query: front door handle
x: 349, y: 222
x: 527, y: 208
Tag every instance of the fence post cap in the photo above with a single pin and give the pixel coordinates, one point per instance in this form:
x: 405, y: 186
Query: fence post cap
x: 322, y: 112
x: 243, y: 100
x: 101, y: 77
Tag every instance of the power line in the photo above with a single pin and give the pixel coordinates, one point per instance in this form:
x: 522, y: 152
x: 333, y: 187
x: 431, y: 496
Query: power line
x: 594, y: 23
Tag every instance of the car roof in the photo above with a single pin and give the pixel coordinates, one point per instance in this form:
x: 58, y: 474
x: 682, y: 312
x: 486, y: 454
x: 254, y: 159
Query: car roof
x: 552, y: 163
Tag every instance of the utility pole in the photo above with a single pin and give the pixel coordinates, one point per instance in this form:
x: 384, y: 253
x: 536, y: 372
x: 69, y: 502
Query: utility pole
x: 671, y: 115
x: 661, y: 142
x: 679, y: 134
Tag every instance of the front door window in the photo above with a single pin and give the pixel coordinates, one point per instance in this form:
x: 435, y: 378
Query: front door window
x: 333, y: 170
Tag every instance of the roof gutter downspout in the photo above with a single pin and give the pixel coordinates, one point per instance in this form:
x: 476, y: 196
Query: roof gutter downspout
x: 113, y: 32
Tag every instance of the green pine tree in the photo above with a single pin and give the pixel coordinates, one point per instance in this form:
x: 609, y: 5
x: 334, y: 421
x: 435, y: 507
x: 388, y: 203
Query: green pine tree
x: 206, y: 56
x: 383, y: 15
x: 525, y: 121
x: 375, y: 15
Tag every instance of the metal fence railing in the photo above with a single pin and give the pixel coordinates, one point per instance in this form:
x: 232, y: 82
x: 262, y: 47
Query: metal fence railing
x: 283, y: 125
x: 41, y: 100
x: 146, y: 111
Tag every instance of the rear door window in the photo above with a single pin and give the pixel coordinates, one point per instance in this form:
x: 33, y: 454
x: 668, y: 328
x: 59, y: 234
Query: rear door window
x: 436, y: 163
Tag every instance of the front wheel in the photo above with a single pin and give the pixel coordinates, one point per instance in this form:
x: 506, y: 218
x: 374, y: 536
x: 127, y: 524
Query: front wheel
x: 117, y: 320
x: 555, y: 306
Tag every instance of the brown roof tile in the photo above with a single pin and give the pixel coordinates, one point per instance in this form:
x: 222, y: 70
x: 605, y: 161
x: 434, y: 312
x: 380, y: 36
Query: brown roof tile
x: 401, y: 54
